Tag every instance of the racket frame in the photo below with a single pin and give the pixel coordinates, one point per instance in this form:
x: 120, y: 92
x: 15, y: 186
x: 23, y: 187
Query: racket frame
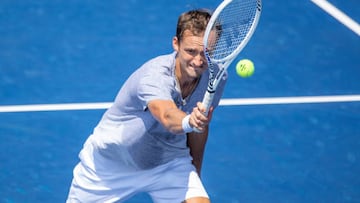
x: 224, y: 63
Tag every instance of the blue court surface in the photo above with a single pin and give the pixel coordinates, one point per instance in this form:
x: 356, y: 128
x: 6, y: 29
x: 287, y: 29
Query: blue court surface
x: 60, y: 52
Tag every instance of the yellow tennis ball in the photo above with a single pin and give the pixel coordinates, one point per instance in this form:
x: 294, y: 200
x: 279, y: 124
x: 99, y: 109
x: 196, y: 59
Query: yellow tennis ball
x: 245, y: 68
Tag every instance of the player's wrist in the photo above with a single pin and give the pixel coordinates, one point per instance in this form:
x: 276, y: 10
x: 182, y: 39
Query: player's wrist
x: 186, y: 124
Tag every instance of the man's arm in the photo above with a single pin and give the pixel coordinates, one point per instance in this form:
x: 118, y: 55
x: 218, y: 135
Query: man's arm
x: 168, y: 114
x: 196, y: 142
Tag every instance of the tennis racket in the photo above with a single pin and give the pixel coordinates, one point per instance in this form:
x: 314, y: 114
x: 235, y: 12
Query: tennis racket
x: 229, y: 30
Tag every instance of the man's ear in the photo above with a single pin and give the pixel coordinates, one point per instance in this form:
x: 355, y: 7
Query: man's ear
x: 175, y: 43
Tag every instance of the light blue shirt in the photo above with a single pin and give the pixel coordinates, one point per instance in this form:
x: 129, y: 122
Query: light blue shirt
x: 129, y: 133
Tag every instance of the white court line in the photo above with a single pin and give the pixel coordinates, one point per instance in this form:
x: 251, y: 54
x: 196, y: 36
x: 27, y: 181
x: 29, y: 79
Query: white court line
x: 339, y: 15
x: 223, y: 102
x: 54, y: 107
x: 290, y: 100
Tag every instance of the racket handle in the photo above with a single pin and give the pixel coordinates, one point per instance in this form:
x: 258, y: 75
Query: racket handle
x: 207, y: 100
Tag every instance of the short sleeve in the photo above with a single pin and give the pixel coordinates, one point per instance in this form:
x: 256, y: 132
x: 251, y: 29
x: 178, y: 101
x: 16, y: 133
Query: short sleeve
x: 155, y: 85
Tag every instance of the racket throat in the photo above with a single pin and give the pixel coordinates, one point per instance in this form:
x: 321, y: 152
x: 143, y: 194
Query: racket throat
x: 210, y: 91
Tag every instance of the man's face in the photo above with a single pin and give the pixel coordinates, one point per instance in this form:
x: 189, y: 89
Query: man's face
x: 190, y: 59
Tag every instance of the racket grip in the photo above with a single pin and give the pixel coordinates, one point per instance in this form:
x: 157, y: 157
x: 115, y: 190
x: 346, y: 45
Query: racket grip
x: 207, y: 101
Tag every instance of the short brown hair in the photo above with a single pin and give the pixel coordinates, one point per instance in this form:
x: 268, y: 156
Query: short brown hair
x: 194, y: 21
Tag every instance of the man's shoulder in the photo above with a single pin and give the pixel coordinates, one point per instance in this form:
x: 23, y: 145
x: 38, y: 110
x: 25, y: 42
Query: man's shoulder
x: 163, y: 64
x: 163, y: 59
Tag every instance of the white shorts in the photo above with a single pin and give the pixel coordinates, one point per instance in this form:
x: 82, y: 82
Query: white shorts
x: 175, y: 181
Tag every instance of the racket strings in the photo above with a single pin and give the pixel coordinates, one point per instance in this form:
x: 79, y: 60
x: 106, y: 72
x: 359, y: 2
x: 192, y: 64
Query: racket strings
x: 232, y: 26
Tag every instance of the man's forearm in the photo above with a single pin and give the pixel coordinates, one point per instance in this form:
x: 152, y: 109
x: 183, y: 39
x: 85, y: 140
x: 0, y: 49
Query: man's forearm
x: 196, y: 143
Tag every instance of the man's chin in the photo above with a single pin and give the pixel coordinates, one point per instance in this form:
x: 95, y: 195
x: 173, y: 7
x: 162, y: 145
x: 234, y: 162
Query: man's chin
x: 194, y: 73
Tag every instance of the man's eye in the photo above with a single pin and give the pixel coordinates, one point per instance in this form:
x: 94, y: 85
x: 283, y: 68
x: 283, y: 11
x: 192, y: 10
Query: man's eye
x: 191, y: 51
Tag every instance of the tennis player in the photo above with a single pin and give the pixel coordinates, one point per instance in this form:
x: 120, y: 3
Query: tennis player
x: 145, y: 141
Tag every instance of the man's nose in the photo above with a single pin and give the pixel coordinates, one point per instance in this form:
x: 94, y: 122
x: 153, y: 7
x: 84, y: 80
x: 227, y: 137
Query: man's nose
x: 199, y: 60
